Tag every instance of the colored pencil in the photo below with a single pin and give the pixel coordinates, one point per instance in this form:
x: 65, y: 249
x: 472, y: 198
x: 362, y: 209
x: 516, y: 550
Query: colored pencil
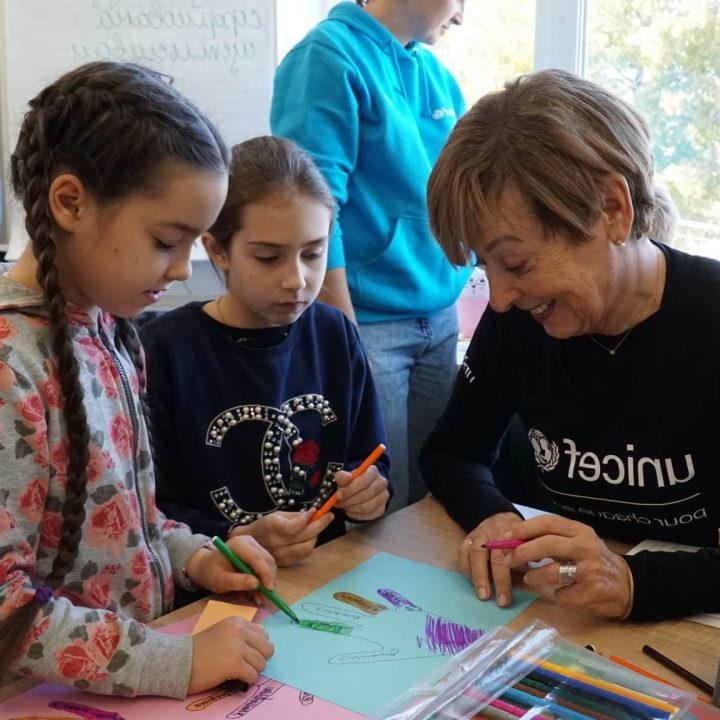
x: 639, y: 670
x: 584, y: 697
x: 474, y: 697
x: 679, y: 670
x: 577, y: 707
x: 493, y: 713
x: 507, y: 707
x: 330, y: 503
x: 519, y: 696
x: 610, y: 691
x: 510, y: 544
x: 647, y: 674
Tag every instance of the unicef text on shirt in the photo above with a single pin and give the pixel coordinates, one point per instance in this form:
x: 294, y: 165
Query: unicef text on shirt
x: 628, y: 469
x: 614, y: 469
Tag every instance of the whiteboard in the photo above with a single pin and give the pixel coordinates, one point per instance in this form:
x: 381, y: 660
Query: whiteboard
x: 220, y: 53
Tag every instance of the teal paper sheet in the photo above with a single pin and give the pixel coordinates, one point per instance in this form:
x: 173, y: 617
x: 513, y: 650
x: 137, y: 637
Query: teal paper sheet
x: 395, y: 620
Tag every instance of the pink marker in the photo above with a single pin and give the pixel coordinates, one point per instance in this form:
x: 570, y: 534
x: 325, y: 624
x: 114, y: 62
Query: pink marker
x: 503, y: 544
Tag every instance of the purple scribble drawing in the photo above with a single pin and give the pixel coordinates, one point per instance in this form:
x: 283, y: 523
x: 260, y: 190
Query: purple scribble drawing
x: 85, y: 711
x: 405, y: 632
x: 396, y: 599
x: 445, y: 637
x: 306, y: 698
x: 262, y: 691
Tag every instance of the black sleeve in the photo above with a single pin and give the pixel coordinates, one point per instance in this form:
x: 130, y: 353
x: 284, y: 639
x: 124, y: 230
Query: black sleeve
x: 173, y: 496
x: 458, y: 456
x: 674, y: 584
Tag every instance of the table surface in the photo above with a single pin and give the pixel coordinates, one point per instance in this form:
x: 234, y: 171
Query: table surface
x: 424, y: 532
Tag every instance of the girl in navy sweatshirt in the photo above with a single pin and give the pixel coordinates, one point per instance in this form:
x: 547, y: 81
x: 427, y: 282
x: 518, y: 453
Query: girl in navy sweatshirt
x: 263, y: 400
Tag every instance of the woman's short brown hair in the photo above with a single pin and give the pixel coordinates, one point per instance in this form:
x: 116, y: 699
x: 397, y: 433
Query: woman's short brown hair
x: 552, y: 136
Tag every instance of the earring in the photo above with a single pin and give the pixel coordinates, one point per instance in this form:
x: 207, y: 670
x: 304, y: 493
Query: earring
x: 619, y: 243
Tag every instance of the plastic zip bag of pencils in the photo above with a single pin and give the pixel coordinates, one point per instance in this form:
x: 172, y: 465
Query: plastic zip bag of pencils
x: 534, y: 673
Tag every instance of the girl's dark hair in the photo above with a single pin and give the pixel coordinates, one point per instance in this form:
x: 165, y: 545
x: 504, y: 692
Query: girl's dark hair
x: 114, y: 126
x: 261, y: 167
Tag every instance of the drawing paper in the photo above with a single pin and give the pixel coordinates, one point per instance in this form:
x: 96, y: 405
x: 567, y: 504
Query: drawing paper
x: 364, y: 656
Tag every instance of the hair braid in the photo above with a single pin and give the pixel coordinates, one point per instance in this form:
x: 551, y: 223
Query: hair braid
x: 33, y: 175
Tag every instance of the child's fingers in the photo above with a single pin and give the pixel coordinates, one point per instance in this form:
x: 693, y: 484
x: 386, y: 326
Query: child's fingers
x: 236, y: 582
x: 313, y: 529
x: 366, y: 503
x: 370, y: 510
x: 297, y: 552
x: 369, y: 503
x: 286, y: 524
x: 257, y: 557
x: 289, y: 550
x: 230, y: 649
x: 257, y: 638
x: 255, y: 659
x: 361, y: 484
x: 343, y: 478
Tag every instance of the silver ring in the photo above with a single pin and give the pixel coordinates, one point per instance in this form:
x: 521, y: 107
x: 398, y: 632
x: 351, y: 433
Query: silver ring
x: 566, y: 573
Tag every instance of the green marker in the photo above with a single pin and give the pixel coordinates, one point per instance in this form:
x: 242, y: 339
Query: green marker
x: 330, y: 627
x: 245, y: 568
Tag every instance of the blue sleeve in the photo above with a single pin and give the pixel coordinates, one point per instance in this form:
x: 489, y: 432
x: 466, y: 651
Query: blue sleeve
x: 173, y: 496
x: 315, y: 103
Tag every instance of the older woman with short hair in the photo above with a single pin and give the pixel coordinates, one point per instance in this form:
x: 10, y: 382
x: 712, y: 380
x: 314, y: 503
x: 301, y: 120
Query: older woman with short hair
x: 603, y: 342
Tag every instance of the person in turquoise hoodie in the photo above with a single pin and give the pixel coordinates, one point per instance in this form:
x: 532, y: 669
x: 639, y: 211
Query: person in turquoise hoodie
x: 374, y: 107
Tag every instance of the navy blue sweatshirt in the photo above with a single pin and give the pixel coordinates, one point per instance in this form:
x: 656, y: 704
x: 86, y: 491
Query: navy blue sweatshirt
x: 241, y: 431
x: 626, y: 443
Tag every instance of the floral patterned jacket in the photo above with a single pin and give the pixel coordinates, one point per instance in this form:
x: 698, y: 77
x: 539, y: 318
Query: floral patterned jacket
x: 92, y: 634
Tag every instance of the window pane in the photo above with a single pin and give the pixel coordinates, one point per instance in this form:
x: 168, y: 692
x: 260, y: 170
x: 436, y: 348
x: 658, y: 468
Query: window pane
x: 663, y: 56
x: 494, y: 44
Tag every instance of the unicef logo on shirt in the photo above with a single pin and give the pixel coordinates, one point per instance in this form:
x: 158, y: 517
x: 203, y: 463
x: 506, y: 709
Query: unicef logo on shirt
x: 546, y: 451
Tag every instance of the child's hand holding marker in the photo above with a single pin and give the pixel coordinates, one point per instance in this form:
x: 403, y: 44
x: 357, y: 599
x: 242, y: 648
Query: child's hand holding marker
x: 232, y: 649
x: 363, y: 493
x: 289, y: 536
x: 584, y: 572
x: 209, y: 569
x: 362, y: 497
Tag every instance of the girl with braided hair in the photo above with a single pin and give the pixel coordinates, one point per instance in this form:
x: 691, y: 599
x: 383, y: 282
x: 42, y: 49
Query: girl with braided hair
x: 118, y: 174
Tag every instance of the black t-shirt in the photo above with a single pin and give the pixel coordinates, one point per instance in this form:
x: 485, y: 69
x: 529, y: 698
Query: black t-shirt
x: 625, y: 443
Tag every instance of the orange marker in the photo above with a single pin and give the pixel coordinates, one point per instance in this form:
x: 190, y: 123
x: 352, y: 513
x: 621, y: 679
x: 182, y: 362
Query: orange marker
x: 647, y: 673
x: 330, y: 503
x: 639, y: 671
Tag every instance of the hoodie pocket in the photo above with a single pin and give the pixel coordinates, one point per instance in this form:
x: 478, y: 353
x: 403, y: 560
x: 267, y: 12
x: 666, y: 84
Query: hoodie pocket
x: 402, y: 277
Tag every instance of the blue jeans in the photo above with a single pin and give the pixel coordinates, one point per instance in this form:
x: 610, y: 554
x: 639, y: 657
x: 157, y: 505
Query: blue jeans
x: 414, y: 364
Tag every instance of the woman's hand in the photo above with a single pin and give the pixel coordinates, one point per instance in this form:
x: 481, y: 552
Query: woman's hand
x: 289, y: 537
x: 233, y: 649
x: 362, y: 498
x: 210, y: 569
x: 602, y: 584
x: 488, y: 567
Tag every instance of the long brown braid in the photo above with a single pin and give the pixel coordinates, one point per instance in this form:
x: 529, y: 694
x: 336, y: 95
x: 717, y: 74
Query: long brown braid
x: 114, y: 126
